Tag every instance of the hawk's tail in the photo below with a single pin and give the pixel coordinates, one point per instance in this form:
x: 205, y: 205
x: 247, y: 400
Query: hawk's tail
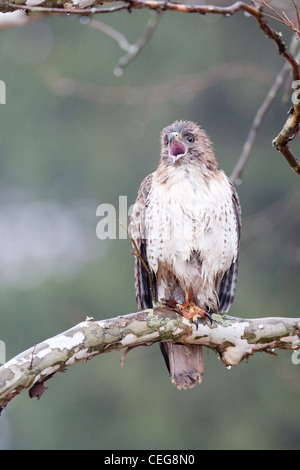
x: 184, y: 362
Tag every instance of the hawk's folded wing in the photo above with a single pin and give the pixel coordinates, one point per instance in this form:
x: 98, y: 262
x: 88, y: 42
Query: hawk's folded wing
x: 137, y: 232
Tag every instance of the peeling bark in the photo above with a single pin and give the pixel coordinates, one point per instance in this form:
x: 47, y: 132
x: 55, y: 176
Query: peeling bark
x: 234, y: 339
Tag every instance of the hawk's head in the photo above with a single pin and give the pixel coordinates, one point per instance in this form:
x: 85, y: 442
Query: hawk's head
x: 184, y: 142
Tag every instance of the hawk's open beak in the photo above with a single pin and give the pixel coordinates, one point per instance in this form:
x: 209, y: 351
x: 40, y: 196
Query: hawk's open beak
x: 176, y: 148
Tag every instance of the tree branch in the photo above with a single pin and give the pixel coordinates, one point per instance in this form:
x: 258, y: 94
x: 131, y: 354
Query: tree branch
x: 234, y: 339
x: 260, y: 114
x: 90, y: 7
x: 132, y: 50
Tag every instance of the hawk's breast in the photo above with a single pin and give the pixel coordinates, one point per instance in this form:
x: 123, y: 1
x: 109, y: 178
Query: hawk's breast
x: 190, y: 226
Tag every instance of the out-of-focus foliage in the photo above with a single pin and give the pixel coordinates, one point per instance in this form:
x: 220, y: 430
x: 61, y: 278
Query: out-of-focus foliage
x: 62, y: 155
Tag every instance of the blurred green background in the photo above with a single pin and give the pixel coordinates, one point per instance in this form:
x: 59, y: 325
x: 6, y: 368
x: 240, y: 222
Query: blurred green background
x: 74, y: 136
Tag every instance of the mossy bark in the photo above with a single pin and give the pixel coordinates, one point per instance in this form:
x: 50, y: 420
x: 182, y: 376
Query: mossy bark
x: 234, y: 339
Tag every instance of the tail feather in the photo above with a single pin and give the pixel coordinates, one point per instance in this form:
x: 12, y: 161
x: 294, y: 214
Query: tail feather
x: 184, y: 362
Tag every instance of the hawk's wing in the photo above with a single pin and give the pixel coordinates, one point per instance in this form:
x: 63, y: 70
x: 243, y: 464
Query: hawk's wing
x: 228, y: 284
x: 137, y: 227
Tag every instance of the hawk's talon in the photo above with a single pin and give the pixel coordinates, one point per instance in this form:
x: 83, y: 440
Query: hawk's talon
x: 207, y: 315
x: 189, y: 309
x: 203, y: 316
x: 179, y: 310
x: 196, y: 321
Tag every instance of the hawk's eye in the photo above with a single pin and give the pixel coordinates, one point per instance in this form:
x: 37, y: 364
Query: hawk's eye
x: 166, y: 140
x: 190, y: 138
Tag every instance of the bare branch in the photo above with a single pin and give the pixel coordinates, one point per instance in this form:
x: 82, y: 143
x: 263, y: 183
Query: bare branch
x: 17, y: 19
x: 139, y: 256
x: 132, y: 50
x: 66, y: 7
x: 284, y: 19
x: 291, y: 127
x: 233, y: 339
x: 136, y: 48
x: 236, y: 175
x: 111, y: 32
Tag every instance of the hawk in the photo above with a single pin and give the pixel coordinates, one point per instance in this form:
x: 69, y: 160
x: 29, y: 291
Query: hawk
x: 186, y: 224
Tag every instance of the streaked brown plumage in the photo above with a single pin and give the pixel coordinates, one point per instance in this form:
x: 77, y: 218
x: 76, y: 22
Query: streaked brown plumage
x: 186, y: 223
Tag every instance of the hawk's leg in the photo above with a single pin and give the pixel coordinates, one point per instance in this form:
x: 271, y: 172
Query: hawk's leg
x: 190, y: 310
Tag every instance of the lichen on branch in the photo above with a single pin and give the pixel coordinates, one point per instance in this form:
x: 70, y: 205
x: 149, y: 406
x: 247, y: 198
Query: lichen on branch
x: 233, y: 339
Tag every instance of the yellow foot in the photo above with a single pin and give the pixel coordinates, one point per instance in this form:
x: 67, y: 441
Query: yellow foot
x: 189, y: 309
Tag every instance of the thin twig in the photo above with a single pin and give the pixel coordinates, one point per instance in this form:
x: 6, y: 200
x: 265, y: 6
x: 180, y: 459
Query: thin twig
x: 136, y: 48
x: 139, y: 256
x: 260, y: 114
x: 132, y: 50
x: 292, y: 124
x: 298, y: 16
x: 284, y: 19
x: 8, y: 6
x: 111, y: 32
x: 237, y: 172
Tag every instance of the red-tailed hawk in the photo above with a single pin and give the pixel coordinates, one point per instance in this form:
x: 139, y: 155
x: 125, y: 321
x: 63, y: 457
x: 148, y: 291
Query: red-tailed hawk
x: 186, y: 224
